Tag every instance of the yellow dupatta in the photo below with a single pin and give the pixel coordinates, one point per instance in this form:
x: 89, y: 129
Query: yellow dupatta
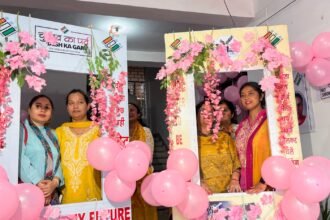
x: 82, y: 182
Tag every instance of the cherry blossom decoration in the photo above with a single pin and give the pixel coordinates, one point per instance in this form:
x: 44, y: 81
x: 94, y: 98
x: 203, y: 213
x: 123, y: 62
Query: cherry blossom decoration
x: 22, y: 61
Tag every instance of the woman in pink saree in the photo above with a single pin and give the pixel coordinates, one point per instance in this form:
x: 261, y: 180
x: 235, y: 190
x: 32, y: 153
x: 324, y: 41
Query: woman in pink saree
x: 252, y: 138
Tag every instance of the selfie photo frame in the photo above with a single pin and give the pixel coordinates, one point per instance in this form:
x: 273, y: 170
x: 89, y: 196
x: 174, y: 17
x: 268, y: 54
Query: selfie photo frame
x: 184, y: 134
x: 68, y: 55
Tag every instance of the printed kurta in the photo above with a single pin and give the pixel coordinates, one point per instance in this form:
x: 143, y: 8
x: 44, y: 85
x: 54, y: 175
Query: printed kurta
x: 83, y: 182
x: 217, y: 161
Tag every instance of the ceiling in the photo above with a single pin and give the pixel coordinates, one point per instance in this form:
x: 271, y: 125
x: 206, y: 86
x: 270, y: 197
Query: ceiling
x: 144, y: 27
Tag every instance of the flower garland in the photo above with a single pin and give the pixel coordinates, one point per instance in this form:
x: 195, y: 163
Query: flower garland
x: 205, y: 59
x: 197, y: 58
x: 106, y: 93
x: 20, y: 60
x: 275, y: 62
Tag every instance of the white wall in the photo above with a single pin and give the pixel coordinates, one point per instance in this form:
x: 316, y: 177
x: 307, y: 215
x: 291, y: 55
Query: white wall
x: 305, y: 20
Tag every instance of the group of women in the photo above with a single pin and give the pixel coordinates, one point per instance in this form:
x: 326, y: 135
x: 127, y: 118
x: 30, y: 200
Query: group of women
x: 233, y: 163
x: 56, y: 161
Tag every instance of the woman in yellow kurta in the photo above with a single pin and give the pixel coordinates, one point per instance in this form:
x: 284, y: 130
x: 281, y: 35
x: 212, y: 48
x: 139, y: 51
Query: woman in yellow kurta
x: 82, y: 182
x: 140, y: 209
x: 252, y: 138
x: 219, y: 161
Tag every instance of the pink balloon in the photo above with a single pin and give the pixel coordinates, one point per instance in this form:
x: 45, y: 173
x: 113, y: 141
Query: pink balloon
x: 169, y: 188
x: 32, y: 201
x: 3, y: 173
x: 146, y: 190
x: 196, y: 203
x: 142, y: 146
x: 276, y: 171
x: 301, y: 69
x: 231, y: 93
x: 320, y: 163
x: 222, y: 76
x: 131, y: 164
x: 318, y: 72
x: 184, y: 161
x: 293, y: 209
x: 301, y: 54
x: 232, y: 74
x: 101, y: 153
x: 321, y: 45
x: 116, y: 189
x: 309, y: 184
x: 243, y: 79
x: 8, y: 200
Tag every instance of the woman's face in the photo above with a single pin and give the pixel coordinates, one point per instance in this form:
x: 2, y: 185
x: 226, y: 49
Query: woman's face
x: 133, y: 113
x: 41, y: 111
x: 250, y: 98
x: 227, y: 115
x: 202, y: 120
x: 77, y: 107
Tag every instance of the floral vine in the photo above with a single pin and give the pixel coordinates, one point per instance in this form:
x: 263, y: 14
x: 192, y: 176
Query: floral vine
x: 20, y: 60
x: 106, y: 93
x: 204, y: 60
x: 275, y: 62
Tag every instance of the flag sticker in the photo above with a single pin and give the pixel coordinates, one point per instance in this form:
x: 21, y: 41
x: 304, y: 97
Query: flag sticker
x: 6, y: 29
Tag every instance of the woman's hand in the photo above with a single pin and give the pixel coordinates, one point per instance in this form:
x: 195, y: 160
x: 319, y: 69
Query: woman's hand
x: 206, y: 188
x: 259, y: 187
x: 48, y: 186
x: 234, y: 186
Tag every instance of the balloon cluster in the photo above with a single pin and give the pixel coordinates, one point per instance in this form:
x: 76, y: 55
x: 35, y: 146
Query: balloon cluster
x: 305, y: 186
x: 313, y: 60
x: 21, y: 201
x: 172, y: 187
x: 125, y: 166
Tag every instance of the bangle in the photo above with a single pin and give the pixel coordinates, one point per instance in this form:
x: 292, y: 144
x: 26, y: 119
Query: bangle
x: 234, y: 179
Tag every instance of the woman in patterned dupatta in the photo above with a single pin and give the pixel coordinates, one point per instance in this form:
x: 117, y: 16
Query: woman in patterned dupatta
x: 252, y: 138
x: 140, y: 209
x: 39, y: 150
x: 83, y: 182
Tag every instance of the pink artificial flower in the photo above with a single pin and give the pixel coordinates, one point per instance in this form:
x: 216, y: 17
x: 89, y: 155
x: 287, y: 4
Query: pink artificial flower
x: 177, y: 54
x: 31, y: 55
x: 15, y: 62
x: 266, y: 199
x: 254, y: 212
x: 38, y: 68
x: 268, y: 83
x: 50, y: 38
x: 208, y: 39
x: 13, y: 48
x: 184, y: 47
x: 170, y: 67
x: 26, y: 38
x: 196, y: 48
x: 236, y: 46
x: 237, y: 65
x: 251, y: 58
x: 43, y: 52
x: 221, y: 214
x: 235, y: 213
x: 35, y: 82
x: 249, y: 36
